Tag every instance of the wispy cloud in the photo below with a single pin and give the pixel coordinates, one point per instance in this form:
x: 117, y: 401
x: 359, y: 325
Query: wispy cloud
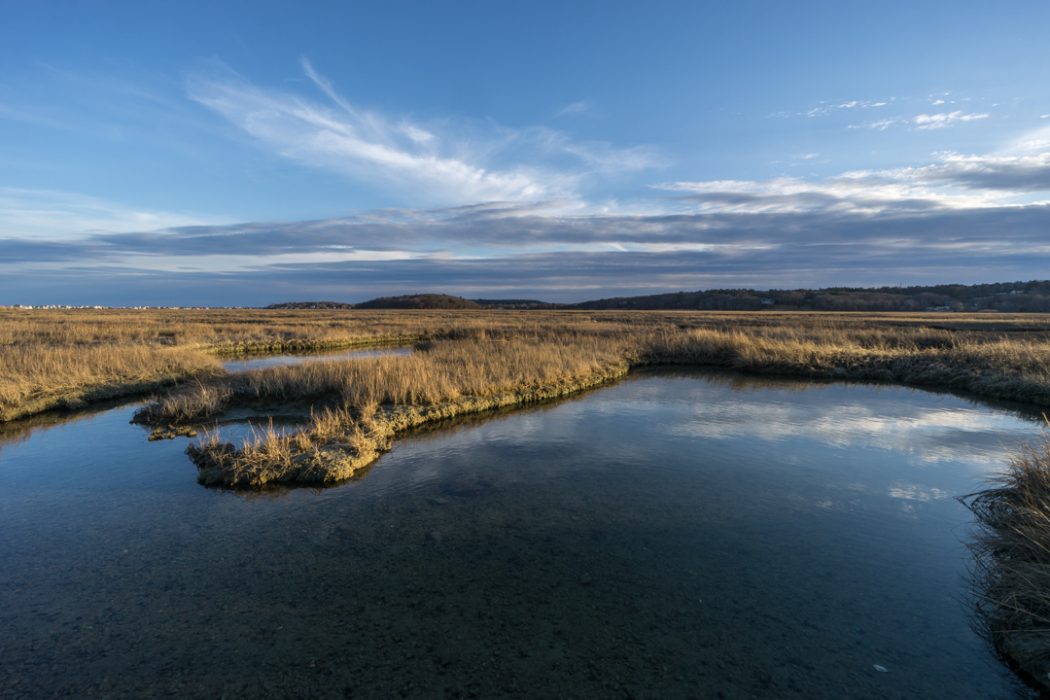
x: 924, y: 122
x: 826, y: 108
x: 54, y: 215
x: 445, y: 163
x: 942, y: 120
x: 759, y: 240
x: 1014, y: 176
x: 574, y: 108
x: 879, y: 124
x: 960, y: 218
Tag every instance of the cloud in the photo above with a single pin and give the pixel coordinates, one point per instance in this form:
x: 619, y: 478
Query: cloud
x: 879, y: 124
x: 825, y: 108
x: 923, y: 122
x: 1010, y: 173
x: 447, y: 163
x: 942, y: 120
x: 1008, y: 178
x: 511, y: 250
x: 54, y: 215
x: 574, y: 108
x: 961, y: 218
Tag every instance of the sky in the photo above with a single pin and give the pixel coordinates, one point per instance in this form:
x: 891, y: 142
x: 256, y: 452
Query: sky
x: 226, y: 153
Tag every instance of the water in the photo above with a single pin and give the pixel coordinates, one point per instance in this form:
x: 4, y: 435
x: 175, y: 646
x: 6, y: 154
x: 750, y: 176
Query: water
x: 249, y: 363
x: 674, y: 535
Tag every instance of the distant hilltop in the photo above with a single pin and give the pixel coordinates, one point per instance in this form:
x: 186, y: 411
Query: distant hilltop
x: 311, y: 305
x: 420, y: 301
x: 1010, y: 297
x: 407, y: 301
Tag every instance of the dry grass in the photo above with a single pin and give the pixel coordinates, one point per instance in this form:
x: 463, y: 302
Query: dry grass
x: 54, y: 359
x: 34, y: 379
x: 474, y: 360
x: 1013, y: 561
x: 503, y: 360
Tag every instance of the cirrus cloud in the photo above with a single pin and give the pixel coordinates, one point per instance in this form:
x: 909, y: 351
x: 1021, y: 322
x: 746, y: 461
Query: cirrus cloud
x: 444, y: 163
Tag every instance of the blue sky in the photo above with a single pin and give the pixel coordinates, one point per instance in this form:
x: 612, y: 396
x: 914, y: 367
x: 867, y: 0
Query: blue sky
x: 246, y: 153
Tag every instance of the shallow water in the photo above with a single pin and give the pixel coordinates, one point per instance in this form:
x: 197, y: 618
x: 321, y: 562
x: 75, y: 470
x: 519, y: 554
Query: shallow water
x: 674, y: 535
x: 243, y: 364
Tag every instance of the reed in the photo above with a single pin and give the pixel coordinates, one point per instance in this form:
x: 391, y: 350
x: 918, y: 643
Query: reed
x: 1012, y: 554
x: 473, y: 360
x: 499, y: 367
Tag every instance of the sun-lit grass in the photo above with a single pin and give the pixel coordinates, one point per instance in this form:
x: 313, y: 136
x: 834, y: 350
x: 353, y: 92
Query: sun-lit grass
x: 470, y: 361
x: 473, y: 361
x: 498, y: 360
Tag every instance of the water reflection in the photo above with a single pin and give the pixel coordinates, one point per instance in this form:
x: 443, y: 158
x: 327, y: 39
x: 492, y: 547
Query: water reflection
x: 250, y: 363
x: 938, y: 428
x: 604, y: 546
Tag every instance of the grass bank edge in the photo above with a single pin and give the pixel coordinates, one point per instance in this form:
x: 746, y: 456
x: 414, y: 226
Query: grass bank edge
x: 305, y: 459
x: 1011, y: 550
x: 72, y: 398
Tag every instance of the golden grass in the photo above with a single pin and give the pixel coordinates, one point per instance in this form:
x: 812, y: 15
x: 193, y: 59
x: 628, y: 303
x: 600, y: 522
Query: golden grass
x: 34, y: 379
x: 473, y: 361
x: 498, y: 360
x: 55, y: 359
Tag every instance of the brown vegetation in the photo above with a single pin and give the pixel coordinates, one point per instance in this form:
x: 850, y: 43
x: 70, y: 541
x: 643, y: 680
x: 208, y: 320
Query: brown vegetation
x: 496, y: 360
x: 1013, y: 562
x: 62, y: 358
x: 472, y: 361
x: 480, y: 360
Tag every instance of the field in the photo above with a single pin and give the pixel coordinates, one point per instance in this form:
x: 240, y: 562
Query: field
x: 467, y: 362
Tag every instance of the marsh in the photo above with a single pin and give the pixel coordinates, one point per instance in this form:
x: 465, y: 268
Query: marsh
x: 677, y: 534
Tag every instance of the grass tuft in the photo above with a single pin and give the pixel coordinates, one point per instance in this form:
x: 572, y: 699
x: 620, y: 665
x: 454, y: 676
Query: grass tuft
x: 1012, y: 554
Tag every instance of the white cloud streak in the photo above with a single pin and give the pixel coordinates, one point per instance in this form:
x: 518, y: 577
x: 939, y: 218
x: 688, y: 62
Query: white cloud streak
x: 574, y: 108
x: 924, y: 122
x: 942, y: 120
x: 453, y: 164
x: 35, y: 214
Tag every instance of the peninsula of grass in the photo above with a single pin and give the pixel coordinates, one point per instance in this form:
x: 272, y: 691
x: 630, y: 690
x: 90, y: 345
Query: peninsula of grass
x: 59, y: 359
x: 508, y: 359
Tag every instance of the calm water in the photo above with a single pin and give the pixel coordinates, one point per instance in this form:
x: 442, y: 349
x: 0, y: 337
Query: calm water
x: 670, y: 536
x: 248, y: 363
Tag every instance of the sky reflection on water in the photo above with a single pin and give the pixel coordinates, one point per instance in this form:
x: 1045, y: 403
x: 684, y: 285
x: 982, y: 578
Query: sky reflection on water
x: 674, y: 535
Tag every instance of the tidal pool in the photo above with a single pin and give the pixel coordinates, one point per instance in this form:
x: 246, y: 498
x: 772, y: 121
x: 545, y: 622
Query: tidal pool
x: 243, y: 364
x: 675, y: 535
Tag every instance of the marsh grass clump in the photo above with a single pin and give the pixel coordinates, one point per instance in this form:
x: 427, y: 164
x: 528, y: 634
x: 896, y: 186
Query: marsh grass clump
x: 34, y: 379
x: 469, y: 361
x: 1012, y: 555
x: 504, y: 360
x: 193, y: 403
x: 364, y: 405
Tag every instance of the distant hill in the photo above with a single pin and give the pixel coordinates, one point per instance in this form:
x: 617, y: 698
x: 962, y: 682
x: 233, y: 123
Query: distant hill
x: 1015, y: 297
x: 1031, y: 296
x: 515, y: 304
x: 420, y: 301
x: 311, y: 305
